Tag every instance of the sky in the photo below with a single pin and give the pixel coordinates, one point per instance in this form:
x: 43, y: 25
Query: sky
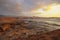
x: 22, y: 7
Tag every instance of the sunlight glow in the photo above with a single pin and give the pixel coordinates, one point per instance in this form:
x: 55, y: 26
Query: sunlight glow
x: 52, y: 10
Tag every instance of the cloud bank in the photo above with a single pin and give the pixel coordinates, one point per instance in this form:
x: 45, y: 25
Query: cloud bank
x: 21, y: 7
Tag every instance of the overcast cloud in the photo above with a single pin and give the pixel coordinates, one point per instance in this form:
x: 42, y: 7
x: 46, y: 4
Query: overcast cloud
x: 18, y: 7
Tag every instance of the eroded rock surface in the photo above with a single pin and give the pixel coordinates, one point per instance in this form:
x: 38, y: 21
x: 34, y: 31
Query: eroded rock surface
x: 21, y: 29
